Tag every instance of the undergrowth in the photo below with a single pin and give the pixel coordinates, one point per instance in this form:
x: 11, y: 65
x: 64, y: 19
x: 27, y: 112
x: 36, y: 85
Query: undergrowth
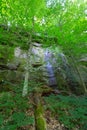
x: 13, y: 108
x: 69, y: 110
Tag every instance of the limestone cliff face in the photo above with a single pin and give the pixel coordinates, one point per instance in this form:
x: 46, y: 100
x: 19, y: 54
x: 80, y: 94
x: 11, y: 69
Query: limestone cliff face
x: 37, y: 55
x: 42, y: 64
x: 52, y: 69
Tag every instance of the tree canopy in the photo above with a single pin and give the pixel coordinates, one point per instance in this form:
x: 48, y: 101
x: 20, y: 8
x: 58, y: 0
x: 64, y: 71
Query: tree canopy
x: 64, y: 19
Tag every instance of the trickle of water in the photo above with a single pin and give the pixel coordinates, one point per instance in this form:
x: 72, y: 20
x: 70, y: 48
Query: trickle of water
x: 49, y: 68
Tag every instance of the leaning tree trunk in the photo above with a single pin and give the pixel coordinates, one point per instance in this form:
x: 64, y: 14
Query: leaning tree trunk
x: 82, y: 84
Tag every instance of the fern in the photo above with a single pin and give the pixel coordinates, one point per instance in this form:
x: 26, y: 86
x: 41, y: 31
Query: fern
x: 70, y: 110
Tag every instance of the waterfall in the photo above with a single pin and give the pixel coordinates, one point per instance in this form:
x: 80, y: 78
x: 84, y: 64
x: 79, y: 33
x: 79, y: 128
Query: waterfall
x: 50, y: 69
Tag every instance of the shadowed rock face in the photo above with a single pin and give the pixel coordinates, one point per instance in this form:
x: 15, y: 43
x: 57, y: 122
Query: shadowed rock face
x: 13, y: 66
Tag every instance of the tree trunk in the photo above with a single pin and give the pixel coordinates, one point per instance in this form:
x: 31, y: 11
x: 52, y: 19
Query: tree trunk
x: 28, y: 68
x: 40, y: 122
x: 82, y: 84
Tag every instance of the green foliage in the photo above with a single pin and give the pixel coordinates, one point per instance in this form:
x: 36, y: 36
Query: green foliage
x: 69, y: 110
x: 13, y: 109
x: 6, y: 53
x: 65, y: 20
x: 11, y: 38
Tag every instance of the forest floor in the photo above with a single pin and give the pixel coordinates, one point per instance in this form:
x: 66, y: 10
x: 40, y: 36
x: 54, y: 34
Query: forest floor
x: 60, y: 112
x: 52, y: 122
